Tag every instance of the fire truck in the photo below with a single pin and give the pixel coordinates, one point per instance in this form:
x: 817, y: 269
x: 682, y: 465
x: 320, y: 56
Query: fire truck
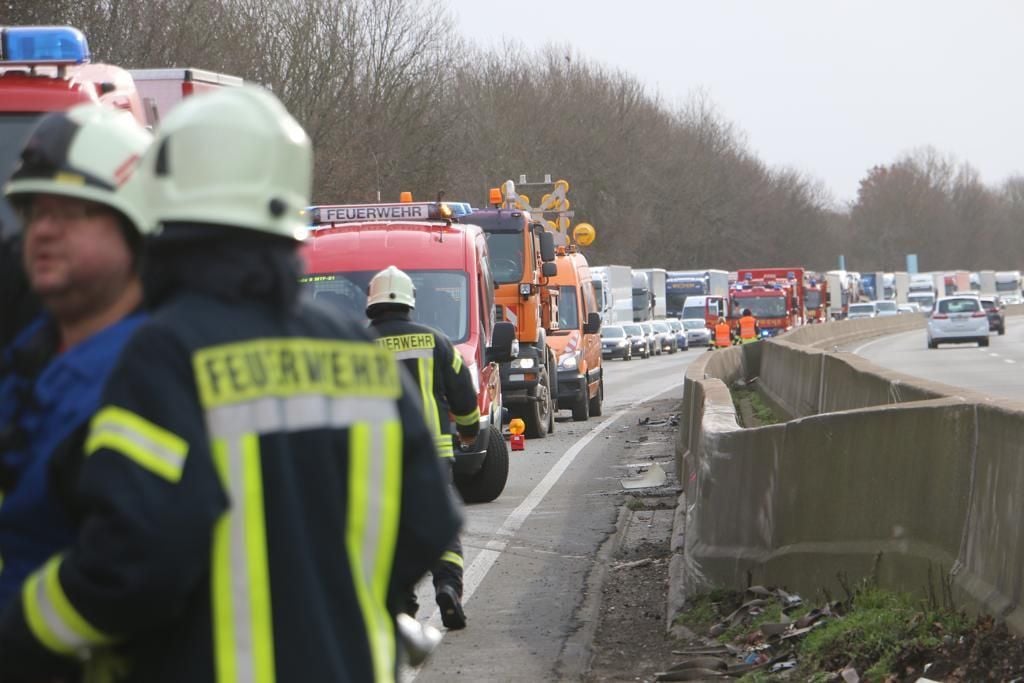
x: 48, y: 68
x: 816, y: 298
x: 448, y: 265
x: 522, y: 259
x: 775, y: 296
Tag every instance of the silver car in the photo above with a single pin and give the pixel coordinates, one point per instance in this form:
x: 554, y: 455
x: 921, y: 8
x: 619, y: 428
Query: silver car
x: 957, y: 319
x: 697, y: 332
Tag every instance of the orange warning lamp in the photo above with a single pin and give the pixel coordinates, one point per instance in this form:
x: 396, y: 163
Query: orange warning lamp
x: 405, y: 197
x: 516, y: 427
x: 494, y: 197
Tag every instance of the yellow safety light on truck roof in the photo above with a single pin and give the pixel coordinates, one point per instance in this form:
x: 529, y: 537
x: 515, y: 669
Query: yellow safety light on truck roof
x: 494, y: 197
x: 405, y: 197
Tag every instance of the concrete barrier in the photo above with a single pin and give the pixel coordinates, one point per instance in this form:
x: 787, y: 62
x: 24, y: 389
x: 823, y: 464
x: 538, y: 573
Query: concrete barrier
x: 880, y: 475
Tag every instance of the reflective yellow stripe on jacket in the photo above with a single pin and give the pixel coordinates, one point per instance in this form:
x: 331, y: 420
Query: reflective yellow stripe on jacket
x: 51, y: 617
x: 150, y: 446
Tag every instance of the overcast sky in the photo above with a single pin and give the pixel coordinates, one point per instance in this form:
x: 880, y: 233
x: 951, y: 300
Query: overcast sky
x: 831, y: 87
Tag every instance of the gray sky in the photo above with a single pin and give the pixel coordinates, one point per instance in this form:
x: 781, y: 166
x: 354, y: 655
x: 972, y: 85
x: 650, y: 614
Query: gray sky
x: 831, y: 87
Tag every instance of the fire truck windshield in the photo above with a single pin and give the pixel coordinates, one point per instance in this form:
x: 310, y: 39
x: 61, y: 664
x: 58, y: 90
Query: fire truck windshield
x: 506, y: 255
x: 812, y: 298
x: 442, y: 297
x: 14, y: 129
x: 763, y: 306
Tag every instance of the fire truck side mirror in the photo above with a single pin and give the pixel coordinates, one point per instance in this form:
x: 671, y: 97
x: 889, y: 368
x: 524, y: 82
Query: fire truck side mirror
x: 504, y: 347
x: 548, y: 269
x: 547, y: 247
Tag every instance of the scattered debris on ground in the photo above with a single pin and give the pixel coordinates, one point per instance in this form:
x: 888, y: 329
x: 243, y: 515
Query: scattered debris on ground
x: 768, y: 634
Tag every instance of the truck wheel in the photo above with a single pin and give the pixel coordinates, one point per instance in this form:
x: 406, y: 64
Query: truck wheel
x: 489, y: 482
x: 581, y: 409
x: 538, y: 413
x: 1002, y: 329
x: 595, y: 403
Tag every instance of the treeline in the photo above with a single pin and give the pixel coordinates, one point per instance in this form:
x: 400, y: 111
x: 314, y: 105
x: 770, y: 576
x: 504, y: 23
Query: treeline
x: 395, y: 99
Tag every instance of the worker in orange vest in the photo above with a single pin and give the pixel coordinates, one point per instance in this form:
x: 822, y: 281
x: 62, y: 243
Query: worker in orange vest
x: 748, y: 327
x: 723, y: 336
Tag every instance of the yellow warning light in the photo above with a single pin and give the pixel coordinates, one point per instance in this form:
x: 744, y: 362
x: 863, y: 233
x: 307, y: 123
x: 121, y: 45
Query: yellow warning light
x: 584, y: 234
x: 494, y: 196
x: 405, y: 197
x: 523, y: 202
x: 564, y: 184
x: 517, y: 426
x: 563, y: 223
x: 446, y: 212
x: 551, y: 226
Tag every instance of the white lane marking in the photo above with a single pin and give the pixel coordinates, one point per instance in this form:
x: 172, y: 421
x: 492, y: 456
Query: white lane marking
x: 1009, y: 360
x: 994, y: 355
x: 486, y: 558
x: 865, y: 345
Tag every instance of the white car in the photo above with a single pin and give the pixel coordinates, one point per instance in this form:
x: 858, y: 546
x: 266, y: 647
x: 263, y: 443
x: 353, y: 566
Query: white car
x: 909, y: 308
x: 865, y: 310
x: 957, y: 319
x: 885, y: 307
x: 697, y: 332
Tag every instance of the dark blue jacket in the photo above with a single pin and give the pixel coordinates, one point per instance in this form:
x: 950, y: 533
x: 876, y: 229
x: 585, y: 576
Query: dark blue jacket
x: 46, y: 401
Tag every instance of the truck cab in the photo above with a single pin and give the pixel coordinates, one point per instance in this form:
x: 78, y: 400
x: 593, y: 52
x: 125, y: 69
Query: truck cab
x: 522, y: 255
x: 448, y: 263
x: 577, y: 341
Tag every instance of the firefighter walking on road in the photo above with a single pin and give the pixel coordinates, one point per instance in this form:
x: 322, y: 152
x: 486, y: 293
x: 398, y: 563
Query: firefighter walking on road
x: 445, y: 383
x: 748, y: 327
x: 723, y: 334
x: 258, y: 486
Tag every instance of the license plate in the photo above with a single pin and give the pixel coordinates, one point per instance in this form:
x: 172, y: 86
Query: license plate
x: 517, y: 378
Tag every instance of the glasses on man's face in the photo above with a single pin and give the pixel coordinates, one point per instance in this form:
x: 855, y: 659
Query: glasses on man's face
x: 62, y: 213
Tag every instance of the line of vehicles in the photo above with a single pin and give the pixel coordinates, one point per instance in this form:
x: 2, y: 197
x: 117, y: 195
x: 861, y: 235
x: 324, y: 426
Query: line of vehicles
x: 507, y: 282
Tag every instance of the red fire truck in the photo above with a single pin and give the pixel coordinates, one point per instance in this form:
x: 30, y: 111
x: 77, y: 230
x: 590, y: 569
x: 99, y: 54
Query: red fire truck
x: 448, y: 264
x: 816, y: 298
x: 775, y: 296
x: 47, y: 68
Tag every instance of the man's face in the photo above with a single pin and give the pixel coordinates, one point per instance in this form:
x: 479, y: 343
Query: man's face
x: 75, y: 254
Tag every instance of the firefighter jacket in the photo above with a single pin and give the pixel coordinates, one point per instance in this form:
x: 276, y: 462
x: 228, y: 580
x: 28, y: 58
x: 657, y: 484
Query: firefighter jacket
x: 436, y: 366
x: 748, y: 328
x: 46, y: 400
x: 723, y: 334
x: 257, y: 490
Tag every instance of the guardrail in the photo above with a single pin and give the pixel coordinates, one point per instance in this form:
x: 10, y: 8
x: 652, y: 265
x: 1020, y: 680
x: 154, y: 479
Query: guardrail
x: 879, y: 474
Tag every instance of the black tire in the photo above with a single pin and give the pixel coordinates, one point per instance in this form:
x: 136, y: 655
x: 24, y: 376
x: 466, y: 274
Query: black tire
x: 1002, y: 330
x: 489, y: 482
x: 595, y: 403
x: 983, y: 342
x: 933, y: 345
x: 539, y: 413
x: 581, y: 409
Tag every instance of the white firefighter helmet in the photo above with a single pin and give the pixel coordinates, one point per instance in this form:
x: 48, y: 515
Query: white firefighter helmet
x: 391, y: 286
x: 88, y: 152
x: 234, y: 158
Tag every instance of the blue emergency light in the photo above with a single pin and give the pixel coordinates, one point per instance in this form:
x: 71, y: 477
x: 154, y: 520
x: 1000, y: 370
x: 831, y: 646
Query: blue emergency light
x: 43, y: 45
x: 460, y: 209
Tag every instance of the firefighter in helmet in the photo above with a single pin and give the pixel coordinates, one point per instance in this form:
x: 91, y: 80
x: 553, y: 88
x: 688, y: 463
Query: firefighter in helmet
x: 446, y: 385
x: 76, y: 187
x: 259, y: 485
